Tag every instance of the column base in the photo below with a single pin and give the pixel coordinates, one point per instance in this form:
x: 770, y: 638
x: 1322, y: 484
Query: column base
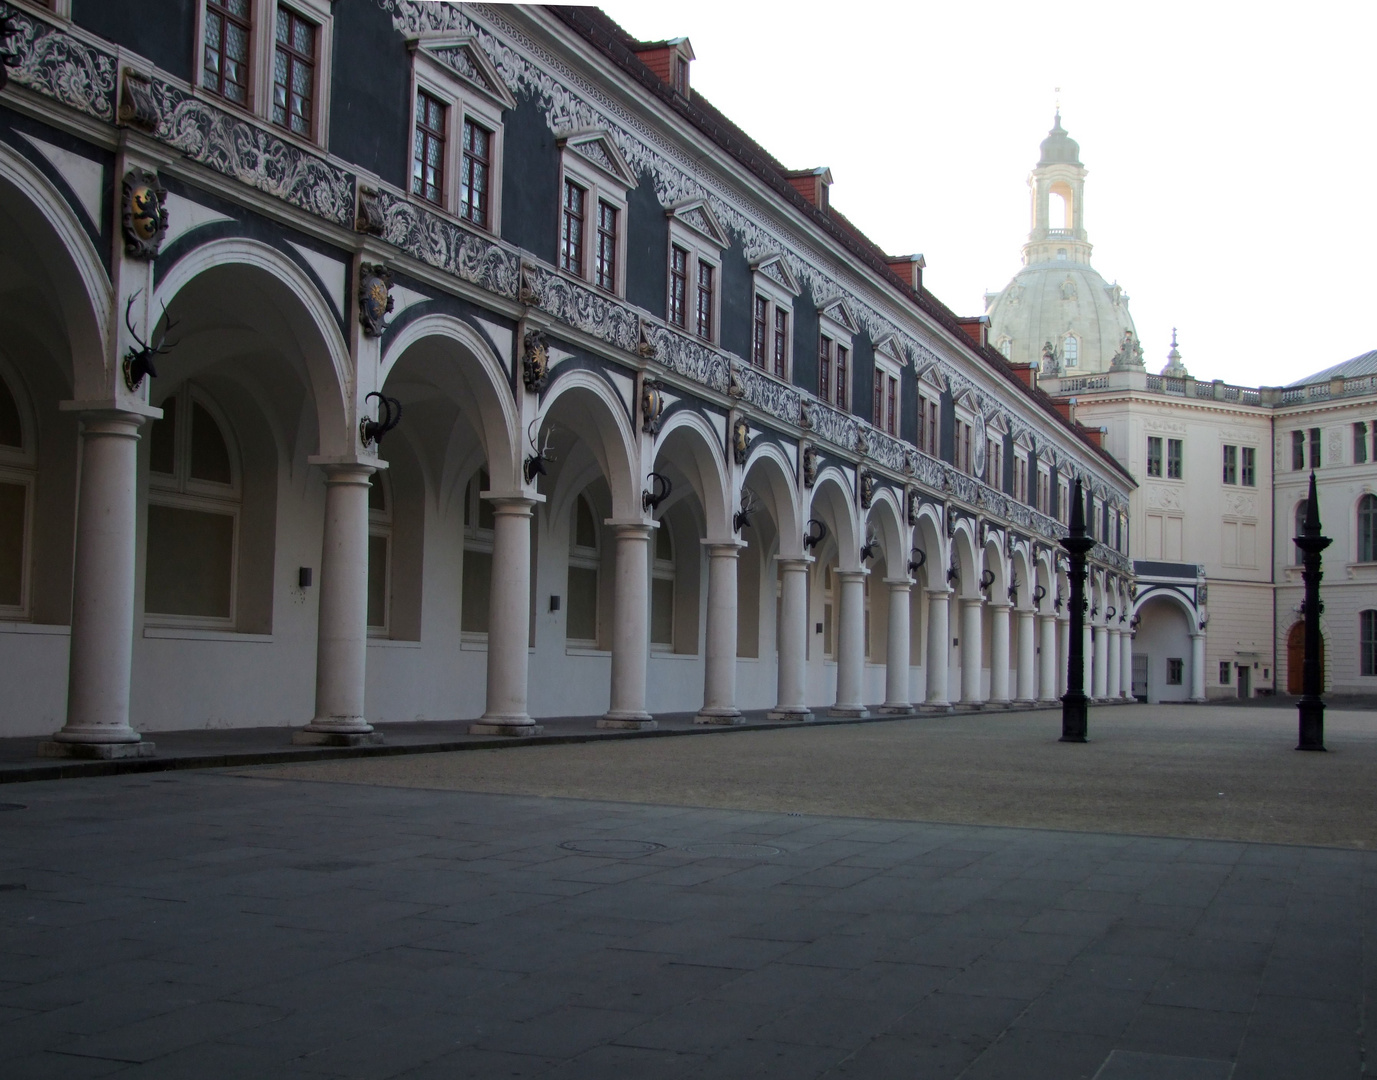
x: 896, y: 710
x: 1022, y: 703
x: 516, y: 731
x: 798, y: 713
x: 849, y: 712
x: 643, y: 722
x: 307, y: 737
x: 97, y: 751
x: 938, y: 707
x: 728, y: 718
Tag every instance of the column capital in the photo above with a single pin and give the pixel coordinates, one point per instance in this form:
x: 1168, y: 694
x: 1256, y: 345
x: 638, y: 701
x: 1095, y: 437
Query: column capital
x: 795, y: 562
x: 514, y: 498
x: 848, y: 575
x: 343, y: 465
x: 719, y: 549
x: 116, y: 412
x: 632, y: 529
x: 345, y: 472
x: 941, y: 592
x: 898, y: 584
x: 999, y: 605
x: 971, y: 601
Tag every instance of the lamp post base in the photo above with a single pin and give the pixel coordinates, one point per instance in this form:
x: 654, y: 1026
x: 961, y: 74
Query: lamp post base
x: 1075, y: 718
x: 1311, y: 725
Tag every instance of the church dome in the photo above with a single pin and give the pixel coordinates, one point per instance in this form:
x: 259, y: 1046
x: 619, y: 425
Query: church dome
x: 1058, y: 299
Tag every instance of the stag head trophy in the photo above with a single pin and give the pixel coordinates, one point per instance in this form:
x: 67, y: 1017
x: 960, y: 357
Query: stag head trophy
x: 742, y: 518
x: 535, y: 463
x: 139, y: 362
x: 868, y: 548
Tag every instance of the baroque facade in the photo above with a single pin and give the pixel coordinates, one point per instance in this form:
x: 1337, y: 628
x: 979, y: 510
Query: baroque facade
x: 395, y: 360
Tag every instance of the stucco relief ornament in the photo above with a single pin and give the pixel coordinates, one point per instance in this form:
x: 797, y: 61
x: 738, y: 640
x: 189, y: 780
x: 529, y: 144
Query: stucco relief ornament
x: 535, y: 361
x: 375, y: 298
x: 144, y: 214
x: 862, y: 441
x: 741, y: 440
x: 652, y: 406
x: 914, y: 505
x: 735, y: 387
x: 1130, y: 354
x: 526, y: 290
x: 810, y: 466
x: 645, y: 348
x: 368, y: 217
x: 8, y: 58
x: 867, y: 479
x: 138, y: 105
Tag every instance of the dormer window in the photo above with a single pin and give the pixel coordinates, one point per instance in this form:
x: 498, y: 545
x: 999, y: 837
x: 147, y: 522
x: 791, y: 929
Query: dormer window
x: 696, y: 241
x: 681, y: 76
x: 594, y: 180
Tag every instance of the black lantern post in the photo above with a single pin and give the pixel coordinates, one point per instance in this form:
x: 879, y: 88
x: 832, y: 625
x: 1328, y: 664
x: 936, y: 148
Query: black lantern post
x: 1311, y: 704
x: 1074, y: 704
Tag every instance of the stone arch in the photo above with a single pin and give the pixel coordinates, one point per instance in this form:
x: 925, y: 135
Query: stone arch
x: 992, y: 559
x: 237, y: 266
x: 886, y: 518
x: 770, y: 474
x: 458, y: 364
x: 688, y: 448
x: 832, y: 502
x: 1047, y: 578
x: 927, y: 535
x: 1023, y: 571
x: 586, y: 404
x: 966, y: 551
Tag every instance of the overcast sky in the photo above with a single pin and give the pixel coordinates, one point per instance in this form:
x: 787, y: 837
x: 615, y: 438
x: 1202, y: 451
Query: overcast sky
x: 1232, y: 186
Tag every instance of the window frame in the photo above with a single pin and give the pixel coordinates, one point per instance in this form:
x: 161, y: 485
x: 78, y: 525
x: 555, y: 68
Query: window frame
x: 1156, y: 456
x: 1230, y: 464
x: 380, y: 524
x: 262, y: 47
x: 465, y: 102
x: 779, y: 290
x: 663, y: 570
x: 1247, y: 466
x: 929, y: 427
x: 887, y: 399
x: 837, y: 324
x: 600, y: 186
x: 477, y: 539
x: 693, y: 229
x: 582, y: 557
x: 1366, y: 520
x: 1177, y: 460
x: 1367, y: 643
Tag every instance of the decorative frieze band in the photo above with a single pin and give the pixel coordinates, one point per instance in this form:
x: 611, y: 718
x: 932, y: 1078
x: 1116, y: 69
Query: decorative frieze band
x: 51, y: 62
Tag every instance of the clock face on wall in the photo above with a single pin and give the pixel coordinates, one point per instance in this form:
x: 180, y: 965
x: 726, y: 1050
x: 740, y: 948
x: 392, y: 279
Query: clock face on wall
x: 978, y: 450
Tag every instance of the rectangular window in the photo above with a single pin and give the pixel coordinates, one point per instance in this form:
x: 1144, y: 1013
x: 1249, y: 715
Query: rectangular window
x: 678, y: 286
x: 933, y: 429
x: 761, y: 329
x: 14, y: 500
x: 878, y: 410
x: 1174, y: 457
x: 428, y: 151
x: 1231, y: 464
x: 606, y: 277
x: 842, y: 396
x: 1248, y: 473
x: 191, y: 555
x: 1154, y: 457
x: 1176, y: 667
x: 705, y: 291
x: 294, y: 72
x: 966, y: 451
x: 477, y: 592
x: 892, y: 405
x: 1359, y: 443
x: 1297, y: 449
x: 1314, y: 448
x: 225, y: 67
x: 781, y: 341
x: 1367, y: 636
x: 581, y: 623
x: 1223, y: 673
x: 473, y: 179
x: 571, y: 239
x: 825, y: 368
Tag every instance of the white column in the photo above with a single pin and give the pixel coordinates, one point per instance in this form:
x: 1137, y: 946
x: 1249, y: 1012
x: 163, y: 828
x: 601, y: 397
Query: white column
x: 1112, y: 663
x: 1026, y: 688
x: 939, y: 636
x: 791, y: 636
x: 850, y: 645
x: 719, y: 669
x: 896, y: 661
x: 1063, y: 655
x: 1198, y: 667
x: 342, y: 621
x: 630, y: 629
x: 970, y: 650
x: 999, y: 653
x: 1047, y: 674
x: 1101, y: 661
x: 1126, y: 665
x: 509, y: 621
x: 102, y: 641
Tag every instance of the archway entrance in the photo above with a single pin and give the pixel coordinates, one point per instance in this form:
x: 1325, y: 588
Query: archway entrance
x: 1295, y: 659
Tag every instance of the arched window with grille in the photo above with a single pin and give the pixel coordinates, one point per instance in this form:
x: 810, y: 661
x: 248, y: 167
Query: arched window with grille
x: 1070, y: 351
x: 194, y: 497
x: 581, y: 623
x: 17, y: 477
x: 1367, y: 528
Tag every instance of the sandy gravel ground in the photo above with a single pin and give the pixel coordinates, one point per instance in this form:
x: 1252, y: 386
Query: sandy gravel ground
x: 1150, y: 770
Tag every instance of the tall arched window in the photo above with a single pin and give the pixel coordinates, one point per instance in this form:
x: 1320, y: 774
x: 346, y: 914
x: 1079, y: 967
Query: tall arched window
x: 1070, y: 350
x: 193, y: 514
x: 1367, y: 528
x: 17, y: 476
x: 478, y: 538
x: 581, y: 624
x: 1057, y: 218
x: 1367, y: 642
x: 379, y: 555
x: 662, y: 591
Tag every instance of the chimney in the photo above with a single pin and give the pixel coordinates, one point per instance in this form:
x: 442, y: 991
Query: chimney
x: 812, y: 184
x: 977, y: 328
x: 1027, y: 374
x: 1066, y: 408
x: 1095, y: 435
x: 669, y: 60
x: 910, y: 268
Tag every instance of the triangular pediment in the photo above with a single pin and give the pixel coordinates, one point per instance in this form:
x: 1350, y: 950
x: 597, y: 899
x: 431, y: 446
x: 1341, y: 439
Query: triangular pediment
x: 888, y: 346
x: 839, y: 311
x: 598, y: 149
x: 774, y: 268
x: 461, y: 57
x: 698, y: 216
x: 932, y: 376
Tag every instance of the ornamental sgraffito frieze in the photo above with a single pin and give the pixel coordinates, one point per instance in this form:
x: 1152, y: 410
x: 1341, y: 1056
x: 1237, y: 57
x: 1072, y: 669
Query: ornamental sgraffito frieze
x: 51, y: 62
x: 445, y: 246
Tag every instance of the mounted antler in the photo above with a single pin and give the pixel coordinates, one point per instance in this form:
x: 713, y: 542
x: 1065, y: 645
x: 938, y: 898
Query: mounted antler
x: 660, y: 489
x: 139, y: 362
x: 917, y: 557
x: 1039, y: 591
x: 816, y: 534
x: 535, y: 463
x: 1109, y: 615
x: 1013, y: 589
x: 954, y: 574
x: 372, y: 431
x: 1059, y: 601
x: 986, y: 580
x: 742, y: 518
x: 868, y: 548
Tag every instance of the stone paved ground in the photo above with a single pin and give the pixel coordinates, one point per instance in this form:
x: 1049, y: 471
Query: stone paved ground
x: 205, y: 924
